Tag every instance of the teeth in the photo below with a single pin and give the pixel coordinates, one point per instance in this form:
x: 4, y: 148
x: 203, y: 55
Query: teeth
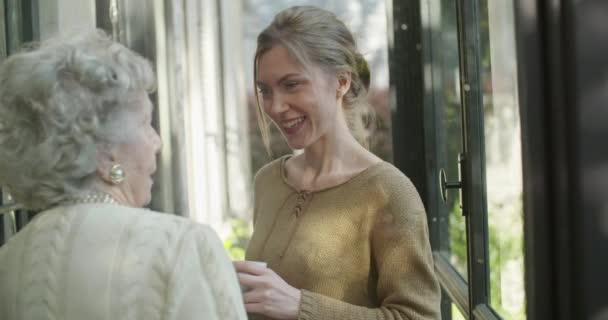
x: 294, y: 122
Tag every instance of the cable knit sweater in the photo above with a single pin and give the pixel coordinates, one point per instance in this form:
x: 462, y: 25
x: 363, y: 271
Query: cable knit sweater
x: 103, y: 261
x: 359, y: 250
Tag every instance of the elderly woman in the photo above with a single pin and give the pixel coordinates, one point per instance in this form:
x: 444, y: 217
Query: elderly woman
x: 76, y: 142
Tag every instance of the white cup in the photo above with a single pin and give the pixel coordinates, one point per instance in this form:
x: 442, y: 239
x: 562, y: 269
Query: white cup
x: 259, y: 263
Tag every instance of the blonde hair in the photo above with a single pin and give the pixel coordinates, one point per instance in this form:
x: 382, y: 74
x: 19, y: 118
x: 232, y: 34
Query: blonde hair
x: 314, y: 36
x: 58, y: 103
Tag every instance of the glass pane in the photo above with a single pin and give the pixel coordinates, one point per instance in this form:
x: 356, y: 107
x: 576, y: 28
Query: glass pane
x: 456, y: 314
x: 442, y: 23
x: 458, y: 239
x: 2, y: 32
x: 503, y: 159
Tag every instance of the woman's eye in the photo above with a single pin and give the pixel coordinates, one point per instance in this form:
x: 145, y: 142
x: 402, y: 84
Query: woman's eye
x: 264, y: 92
x: 291, y: 85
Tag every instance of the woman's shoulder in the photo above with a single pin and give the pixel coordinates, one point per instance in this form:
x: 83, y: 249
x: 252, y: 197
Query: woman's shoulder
x: 142, y: 223
x: 180, y: 223
x: 390, y: 185
x: 170, y: 235
x: 385, y: 174
x: 270, y: 171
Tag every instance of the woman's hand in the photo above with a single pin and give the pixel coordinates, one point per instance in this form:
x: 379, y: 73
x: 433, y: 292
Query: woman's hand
x: 267, y: 293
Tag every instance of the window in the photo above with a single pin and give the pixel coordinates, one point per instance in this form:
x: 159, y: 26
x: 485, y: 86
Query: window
x: 502, y: 159
x: 17, y: 26
x: 444, y: 70
x: 470, y: 71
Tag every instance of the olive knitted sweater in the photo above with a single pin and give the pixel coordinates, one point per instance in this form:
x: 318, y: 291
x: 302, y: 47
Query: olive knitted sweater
x: 359, y: 250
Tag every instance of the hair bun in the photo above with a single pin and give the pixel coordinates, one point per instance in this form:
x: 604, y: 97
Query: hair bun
x: 362, y: 69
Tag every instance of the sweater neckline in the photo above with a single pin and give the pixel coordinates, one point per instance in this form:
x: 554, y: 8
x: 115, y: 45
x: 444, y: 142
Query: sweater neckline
x: 357, y: 176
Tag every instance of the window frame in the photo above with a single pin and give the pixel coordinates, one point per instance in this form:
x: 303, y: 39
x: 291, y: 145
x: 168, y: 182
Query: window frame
x: 415, y: 115
x: 3, y: 40
x: 473, y: 178
x: 19, y: 24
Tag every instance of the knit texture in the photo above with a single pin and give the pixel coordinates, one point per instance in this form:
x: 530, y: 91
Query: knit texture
x: 101, y: 261
x: 359, y: 250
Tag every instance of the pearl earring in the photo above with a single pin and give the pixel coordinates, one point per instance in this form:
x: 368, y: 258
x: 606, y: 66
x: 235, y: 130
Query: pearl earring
x: 117, y: 174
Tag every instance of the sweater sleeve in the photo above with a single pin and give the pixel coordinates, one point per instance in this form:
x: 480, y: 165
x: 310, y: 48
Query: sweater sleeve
x: 407, y: 287
x: 203, y: 283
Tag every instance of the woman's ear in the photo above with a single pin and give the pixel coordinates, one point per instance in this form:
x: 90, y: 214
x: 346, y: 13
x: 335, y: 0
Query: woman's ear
x: 105, y: 160
x: 344, y: 81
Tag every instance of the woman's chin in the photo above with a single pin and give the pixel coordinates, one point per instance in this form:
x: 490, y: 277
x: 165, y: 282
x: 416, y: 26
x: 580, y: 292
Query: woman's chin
x: 142, y: 200
x: 296, y: 142
x: 147, y: 199
x: 296, y: 145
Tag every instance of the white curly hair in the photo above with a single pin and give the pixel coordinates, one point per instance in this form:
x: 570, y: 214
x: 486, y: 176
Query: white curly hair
x: 58, y: 104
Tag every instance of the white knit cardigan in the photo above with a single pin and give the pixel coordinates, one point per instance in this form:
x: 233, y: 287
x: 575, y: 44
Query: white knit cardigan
x: 104, y: 261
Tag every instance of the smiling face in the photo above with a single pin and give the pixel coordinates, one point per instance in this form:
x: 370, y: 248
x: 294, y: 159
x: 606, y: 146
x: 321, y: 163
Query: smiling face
x: 302, y: 102
x: 136, y: 153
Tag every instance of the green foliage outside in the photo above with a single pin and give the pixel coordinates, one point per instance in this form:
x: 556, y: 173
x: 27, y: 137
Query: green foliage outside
x: 505, y: 246
x: 458, y: 240
x: 456, y: 314
x: 237, y: 241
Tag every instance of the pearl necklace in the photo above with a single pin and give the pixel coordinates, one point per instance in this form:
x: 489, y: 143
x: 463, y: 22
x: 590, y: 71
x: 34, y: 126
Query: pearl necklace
x: 89, y: 198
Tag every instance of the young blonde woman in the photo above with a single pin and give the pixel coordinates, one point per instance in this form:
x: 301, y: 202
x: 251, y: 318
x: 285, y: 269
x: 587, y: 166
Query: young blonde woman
x: 344, y: 233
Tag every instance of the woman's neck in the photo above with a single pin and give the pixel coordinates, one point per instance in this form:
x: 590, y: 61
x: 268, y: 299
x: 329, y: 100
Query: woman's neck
x: 333, y: 159
x: 331, y: 153
x: 111, y: 190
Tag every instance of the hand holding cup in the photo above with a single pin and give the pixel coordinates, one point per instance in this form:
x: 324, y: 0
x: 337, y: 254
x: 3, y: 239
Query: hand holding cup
x: 267, y: 293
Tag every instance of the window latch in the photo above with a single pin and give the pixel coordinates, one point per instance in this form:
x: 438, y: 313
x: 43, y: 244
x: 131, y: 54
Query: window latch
x: 444, y: 184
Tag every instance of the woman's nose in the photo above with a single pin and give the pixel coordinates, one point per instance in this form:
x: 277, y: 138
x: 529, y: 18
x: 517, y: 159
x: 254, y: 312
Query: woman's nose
x: 158, y: 142
x: 278, y: 105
